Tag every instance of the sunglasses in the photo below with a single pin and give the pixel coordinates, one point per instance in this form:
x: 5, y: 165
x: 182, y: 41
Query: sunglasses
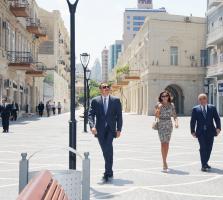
x: 105, y: 87
x: 165, y: 96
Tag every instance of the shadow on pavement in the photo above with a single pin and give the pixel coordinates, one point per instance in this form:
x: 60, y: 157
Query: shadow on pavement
x: 178, y: 172
x: 216, y: 171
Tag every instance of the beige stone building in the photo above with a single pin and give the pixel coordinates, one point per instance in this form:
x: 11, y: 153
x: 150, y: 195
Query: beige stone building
x: 55, y: 53
x: 20, y: 34
x: 164, y: 55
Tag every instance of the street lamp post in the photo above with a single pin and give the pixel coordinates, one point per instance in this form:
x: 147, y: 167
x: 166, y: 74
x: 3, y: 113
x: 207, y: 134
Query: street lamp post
x: 85, y: 58
x: 72, y: 124
x: 88, y: 88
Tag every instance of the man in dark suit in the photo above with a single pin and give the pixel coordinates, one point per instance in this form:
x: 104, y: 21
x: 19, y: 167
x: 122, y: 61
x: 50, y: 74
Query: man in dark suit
x: 5, y: 110
x: 203, y: 128
x: 41, y: 108
x: 108, y: 124
x: 15, y: 109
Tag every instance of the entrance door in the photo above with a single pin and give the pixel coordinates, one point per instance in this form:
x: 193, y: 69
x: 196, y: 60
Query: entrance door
x: 178, y: 98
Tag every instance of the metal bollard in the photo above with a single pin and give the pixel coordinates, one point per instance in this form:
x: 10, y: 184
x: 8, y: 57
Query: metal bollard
x: 86, y: 177
x: 23, y: 172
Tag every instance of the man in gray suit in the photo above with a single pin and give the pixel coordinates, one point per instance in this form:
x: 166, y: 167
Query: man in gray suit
x: 105, y: 120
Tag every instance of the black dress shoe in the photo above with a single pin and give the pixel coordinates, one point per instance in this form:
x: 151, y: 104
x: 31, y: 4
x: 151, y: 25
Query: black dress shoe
x: 204, y: 169
x: 105, y: 178
x: 208, y: 166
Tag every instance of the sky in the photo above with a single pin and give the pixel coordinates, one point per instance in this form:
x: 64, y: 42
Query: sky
x: 100, y: 22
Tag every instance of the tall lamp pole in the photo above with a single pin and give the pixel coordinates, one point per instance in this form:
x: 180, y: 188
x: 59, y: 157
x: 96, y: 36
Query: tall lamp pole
x: 72, y: 124
x: 88, y: 88
x: 85, y: 58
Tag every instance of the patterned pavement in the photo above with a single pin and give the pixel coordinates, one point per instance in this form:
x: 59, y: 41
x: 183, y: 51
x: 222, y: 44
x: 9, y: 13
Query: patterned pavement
x: 137, y: 164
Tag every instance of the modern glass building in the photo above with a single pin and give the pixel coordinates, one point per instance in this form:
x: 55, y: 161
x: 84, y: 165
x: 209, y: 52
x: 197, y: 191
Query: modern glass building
x: 134, y: 19
x: 114, y: 52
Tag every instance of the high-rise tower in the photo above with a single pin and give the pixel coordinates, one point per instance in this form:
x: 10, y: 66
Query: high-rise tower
x: 145, y: 4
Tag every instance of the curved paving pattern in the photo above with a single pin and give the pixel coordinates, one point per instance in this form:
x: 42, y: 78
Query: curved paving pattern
x: 137, y: 164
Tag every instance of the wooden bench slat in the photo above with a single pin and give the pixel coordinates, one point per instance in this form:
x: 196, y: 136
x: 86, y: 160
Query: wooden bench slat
x: 56, y: 193
x: 65, y: 197
x: 36, y: 188
x: 51, y: 190
x: 62, y: 194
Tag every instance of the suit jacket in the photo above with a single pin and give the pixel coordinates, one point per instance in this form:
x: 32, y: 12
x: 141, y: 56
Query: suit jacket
x: 199, y: 124
x: 113, y: 117
x: 16, y: 107
x: 41, y: 107
x: 5, y: 111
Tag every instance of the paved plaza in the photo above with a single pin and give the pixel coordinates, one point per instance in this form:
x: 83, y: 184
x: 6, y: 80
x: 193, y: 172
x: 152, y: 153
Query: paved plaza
x: 137, y: 164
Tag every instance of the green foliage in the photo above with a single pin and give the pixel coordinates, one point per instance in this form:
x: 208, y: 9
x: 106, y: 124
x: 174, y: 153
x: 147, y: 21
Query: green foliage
x: 94, y: 89
x: 49, y: 79
x: 122, y: 70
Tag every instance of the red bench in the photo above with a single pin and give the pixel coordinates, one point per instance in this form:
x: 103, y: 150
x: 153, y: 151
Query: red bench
x: 43, y: 187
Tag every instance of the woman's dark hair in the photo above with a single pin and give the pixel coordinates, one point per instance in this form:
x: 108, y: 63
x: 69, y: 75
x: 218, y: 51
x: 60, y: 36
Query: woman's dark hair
x: 168, y: 94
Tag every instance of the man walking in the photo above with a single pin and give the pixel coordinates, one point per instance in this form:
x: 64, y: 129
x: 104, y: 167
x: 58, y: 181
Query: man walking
x: 15, y: 109
x: 41, y: 108
x: 108, y: 125
x: 5, y: 110
x: 203, y: 117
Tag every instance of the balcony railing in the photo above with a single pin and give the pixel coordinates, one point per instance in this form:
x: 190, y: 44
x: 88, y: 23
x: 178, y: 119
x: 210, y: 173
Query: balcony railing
x: 20, y: 60
x: 19, y: 8
x: 215, y: 36
x: 214, y: 2
x: 132, y: 75
x: 33, y: 25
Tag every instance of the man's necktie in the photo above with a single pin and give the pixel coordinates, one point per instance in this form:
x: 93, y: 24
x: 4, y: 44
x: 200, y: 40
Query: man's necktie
x: 105, y: 105
x: 204, y: 112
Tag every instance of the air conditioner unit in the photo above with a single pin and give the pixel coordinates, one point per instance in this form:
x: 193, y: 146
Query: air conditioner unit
x: 192, y: 58
x: 187, y: 19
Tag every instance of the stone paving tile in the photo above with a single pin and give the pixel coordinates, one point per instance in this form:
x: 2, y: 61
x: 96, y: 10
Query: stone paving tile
x: 137, y: 163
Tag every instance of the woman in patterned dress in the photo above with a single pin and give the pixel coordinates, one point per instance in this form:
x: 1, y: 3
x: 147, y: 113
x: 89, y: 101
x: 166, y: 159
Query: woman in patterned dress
x: 164, y: 110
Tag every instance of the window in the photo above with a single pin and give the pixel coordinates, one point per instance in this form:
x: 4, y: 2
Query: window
x: 128, y: 17
x: 136, y: 28
x: 174, y: 56
x: 128, y: 28
x: 139, y: 18
x: 138, y: 23
x: 128, y: 22
x: 204, y: 57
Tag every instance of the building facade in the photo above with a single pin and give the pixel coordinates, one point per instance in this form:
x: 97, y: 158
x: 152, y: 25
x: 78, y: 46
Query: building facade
x: 134, y: 19
x: 96, y: 71
x: 21, y: 32
x: 166, y: 54
x: 145, y: 4
x: 114, y: 51
x: 54, y: 53
x: 214, y: 81
x: 104, y: 59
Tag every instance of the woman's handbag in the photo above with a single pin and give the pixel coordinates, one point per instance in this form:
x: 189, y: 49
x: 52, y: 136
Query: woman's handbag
x: 155, y: 124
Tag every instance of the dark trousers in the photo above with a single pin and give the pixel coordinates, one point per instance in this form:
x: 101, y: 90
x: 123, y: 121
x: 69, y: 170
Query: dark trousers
x: 14, y: 115
x: 41, y: 113
x: 54, y: 111
x: 206, y: 143
x: 59, y: 111
x: 106, y: 142
x: 5, y: 123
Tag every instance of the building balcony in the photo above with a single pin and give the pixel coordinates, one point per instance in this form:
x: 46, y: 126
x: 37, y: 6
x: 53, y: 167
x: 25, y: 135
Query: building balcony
x: 20, y: 60
x: 121, y: 80
x: 216, y: 36
x: 36, y: 73
x: 214, y: 2
x: 215, y: 70
x: 19, y: 8
x: 33, y: 26
x: 132, y: 75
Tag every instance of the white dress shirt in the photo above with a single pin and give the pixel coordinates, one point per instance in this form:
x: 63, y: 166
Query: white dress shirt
x: 107, y: 101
